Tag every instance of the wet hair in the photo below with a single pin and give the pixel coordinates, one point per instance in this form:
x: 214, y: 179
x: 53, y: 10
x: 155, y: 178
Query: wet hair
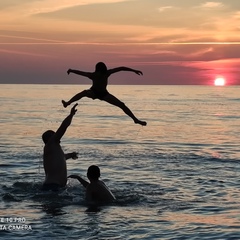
x: 93, y: 172
x: 101, y: 67
x: 47, y: 135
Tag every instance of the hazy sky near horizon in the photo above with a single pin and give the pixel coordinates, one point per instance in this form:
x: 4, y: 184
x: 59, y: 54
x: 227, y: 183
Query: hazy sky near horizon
x: 171, y: 41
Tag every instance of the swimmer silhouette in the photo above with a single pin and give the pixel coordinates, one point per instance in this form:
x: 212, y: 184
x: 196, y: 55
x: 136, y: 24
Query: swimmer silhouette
x: 99, y: 88
x: 96, y: 190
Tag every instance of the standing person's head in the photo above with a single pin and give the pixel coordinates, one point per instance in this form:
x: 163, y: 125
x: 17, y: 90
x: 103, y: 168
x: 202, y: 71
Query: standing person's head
x: 93, y: 172
x: 101, y: 67
x: 47, y: 135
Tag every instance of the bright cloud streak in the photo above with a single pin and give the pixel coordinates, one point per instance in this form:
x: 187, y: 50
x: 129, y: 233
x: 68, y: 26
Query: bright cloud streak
x: 162, y: 9
x: 47, y: 6
x: 212, y: 5
x: 23, y: 53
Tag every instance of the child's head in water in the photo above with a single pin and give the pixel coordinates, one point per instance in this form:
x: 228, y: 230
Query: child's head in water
x: 93, y: 172
x: 101, y: 67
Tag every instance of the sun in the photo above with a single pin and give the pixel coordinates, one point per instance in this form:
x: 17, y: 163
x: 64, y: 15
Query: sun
x: 220, y: 81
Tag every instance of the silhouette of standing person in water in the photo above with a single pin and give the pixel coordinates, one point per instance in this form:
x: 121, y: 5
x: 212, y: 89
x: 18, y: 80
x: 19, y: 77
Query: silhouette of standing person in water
x: 99, y: 88
x: 54, y: 159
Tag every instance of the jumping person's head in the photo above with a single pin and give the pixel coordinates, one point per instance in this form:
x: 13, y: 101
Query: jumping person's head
x: 47, y: 135
x: 93, y: 172
x: 101, y: 67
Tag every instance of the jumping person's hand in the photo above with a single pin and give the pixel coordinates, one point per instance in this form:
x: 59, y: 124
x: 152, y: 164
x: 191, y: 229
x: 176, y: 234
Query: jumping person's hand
x: 74, y: 110
x: 68, y: 71
x: 138, y: 72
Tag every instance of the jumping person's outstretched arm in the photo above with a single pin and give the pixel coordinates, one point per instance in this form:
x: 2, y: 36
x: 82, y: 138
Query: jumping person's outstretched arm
x: 119, y: 69
x: 65, y: 124
x: 78, y: 72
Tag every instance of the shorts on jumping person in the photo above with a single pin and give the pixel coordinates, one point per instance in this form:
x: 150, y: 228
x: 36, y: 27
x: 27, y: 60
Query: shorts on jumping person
x: 99, y: 94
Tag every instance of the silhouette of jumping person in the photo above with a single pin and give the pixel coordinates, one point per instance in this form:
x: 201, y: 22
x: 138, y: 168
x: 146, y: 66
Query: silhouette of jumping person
x: 99, y: 88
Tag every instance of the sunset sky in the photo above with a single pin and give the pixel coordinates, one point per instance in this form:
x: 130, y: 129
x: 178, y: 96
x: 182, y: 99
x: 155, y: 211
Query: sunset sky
x: 171, y: 41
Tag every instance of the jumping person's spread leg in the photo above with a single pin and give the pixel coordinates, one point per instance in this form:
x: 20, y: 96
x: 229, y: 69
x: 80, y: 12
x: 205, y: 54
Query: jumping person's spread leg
x: 64, y: 103
x: 116, y: 102
x: 78, y: 96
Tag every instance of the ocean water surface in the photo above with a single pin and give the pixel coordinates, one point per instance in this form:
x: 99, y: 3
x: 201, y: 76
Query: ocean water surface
x: 176, y: 178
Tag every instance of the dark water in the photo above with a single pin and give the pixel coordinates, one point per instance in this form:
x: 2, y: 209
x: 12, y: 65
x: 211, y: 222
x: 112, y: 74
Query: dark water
x: 177, y: 178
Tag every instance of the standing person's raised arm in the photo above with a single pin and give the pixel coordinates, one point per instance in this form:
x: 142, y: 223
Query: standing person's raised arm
x: 65, y: 124
x: 119, y: 69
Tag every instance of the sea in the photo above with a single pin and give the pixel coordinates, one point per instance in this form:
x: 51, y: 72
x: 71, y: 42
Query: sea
x: 176, y: 178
